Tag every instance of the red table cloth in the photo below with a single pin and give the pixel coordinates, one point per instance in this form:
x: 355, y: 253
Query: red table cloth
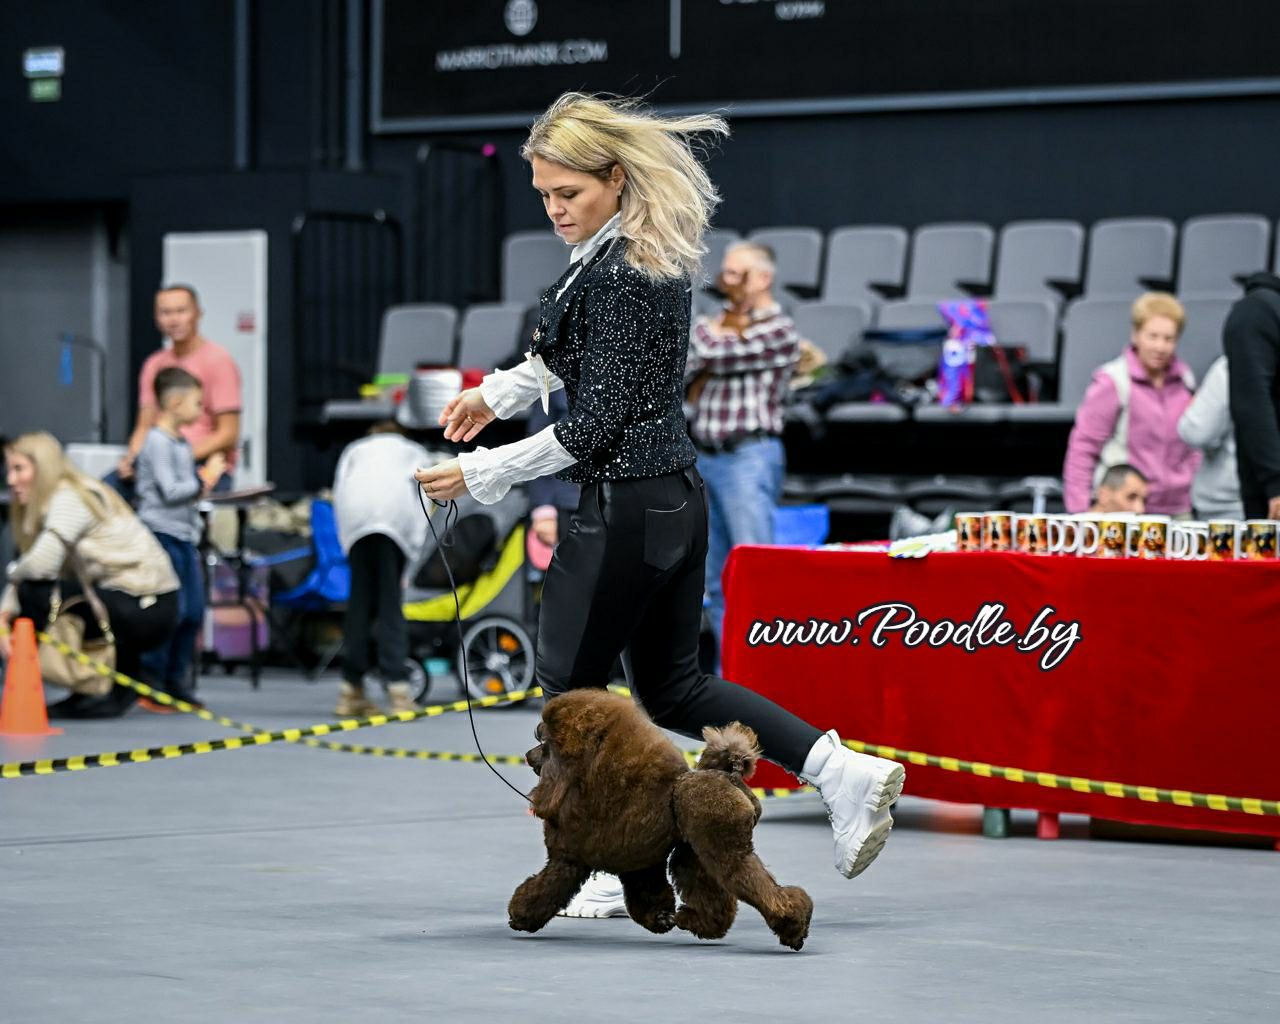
x: 1161, y: 674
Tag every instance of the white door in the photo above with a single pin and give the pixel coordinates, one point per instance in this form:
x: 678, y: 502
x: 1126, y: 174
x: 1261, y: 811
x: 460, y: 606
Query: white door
x: 228, y: 269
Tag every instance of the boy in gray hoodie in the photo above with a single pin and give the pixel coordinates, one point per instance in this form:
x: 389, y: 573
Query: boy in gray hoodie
x: 169, y: 487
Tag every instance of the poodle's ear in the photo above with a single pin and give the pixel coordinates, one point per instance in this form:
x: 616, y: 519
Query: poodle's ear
x: 553, y: 786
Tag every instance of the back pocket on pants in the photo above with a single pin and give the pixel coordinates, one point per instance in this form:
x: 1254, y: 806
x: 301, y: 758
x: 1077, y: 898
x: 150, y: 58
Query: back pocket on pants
x: 666, y: 537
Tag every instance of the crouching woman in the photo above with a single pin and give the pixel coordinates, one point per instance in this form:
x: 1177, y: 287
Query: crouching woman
x: 66, y: 524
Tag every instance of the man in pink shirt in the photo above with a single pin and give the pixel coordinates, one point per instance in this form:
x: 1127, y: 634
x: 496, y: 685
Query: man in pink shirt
x: 218, y: 428
x: 1130, y: 415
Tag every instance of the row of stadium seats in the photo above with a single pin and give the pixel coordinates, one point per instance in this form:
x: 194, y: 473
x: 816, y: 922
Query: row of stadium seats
x: 1049, y: 260
x: 1092, y: 331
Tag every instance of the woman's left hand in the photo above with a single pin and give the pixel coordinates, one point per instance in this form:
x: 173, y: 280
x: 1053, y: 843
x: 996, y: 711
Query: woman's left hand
x: 443, y: 482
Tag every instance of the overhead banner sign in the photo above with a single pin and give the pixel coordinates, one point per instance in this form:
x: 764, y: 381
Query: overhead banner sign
x: 441, y: 65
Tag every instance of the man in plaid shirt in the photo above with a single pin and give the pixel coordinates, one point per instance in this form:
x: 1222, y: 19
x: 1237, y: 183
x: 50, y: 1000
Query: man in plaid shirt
x: 740, y: 364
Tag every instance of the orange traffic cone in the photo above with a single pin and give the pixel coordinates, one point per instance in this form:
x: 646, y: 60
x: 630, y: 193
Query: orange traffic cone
x: 22, y: 710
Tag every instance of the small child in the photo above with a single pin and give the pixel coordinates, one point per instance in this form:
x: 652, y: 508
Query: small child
x: 381, y: 531
x: 168, y: 488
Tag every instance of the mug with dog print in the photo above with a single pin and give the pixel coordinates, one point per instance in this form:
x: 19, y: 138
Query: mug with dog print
x: 968, y: 531
x: 1224, y: 540
x: 1113, y: 534
x: 1031, y: 533
x: 997, y: 531
x: 1147, y: 536
x: 1258, y: 540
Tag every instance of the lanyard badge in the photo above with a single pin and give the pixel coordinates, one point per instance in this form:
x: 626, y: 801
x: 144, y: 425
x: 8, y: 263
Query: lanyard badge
x: 542, y: 374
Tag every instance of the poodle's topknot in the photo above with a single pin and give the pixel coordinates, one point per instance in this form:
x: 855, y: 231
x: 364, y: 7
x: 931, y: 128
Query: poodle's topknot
x: 732, y: 749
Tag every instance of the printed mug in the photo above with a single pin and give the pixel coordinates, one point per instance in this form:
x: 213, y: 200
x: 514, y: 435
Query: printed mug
x: 1031, y: 533
x: 1147, y: 537
x: 997, y: 531
x: 1258, y: 539
x: 1113, y: 534
x: 968, y: 531
x: 1224, y: 540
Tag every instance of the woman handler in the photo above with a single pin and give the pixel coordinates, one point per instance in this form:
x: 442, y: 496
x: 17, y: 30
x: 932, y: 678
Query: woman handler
x: 622, y: 186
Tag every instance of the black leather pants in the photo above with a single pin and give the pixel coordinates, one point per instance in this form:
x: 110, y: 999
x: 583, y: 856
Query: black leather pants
x: 627, y: 578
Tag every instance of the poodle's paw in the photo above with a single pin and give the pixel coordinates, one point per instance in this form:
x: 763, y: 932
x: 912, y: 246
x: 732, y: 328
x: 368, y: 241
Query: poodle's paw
x: 521, y: 921
x: 699, y: 926
x: 659, y: 922
x: 793, y: 928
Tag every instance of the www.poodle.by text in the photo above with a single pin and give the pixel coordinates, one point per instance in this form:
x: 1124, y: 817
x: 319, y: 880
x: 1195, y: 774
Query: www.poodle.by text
x: 987, y: 628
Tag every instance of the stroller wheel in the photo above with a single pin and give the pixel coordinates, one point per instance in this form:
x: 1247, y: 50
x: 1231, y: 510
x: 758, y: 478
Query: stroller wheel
x: 413, y: 673
x: 496, y: 657
x: 418, y: 678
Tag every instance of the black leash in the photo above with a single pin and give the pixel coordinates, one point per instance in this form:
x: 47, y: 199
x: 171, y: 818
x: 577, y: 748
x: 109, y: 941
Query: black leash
x: 450, y: 520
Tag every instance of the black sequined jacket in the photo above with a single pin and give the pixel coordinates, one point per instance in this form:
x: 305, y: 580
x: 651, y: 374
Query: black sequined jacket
x: 619, y: 342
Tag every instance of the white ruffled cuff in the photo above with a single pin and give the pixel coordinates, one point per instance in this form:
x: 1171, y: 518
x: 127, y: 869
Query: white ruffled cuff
x: 489, y: 473
x: 507, y: 392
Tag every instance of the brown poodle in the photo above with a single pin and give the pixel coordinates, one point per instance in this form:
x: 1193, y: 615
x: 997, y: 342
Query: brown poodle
x: 616, y: 795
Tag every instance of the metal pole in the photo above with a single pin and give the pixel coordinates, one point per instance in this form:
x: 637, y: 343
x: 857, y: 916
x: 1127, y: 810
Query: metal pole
x: 355, y: 85
x: 241, y: 86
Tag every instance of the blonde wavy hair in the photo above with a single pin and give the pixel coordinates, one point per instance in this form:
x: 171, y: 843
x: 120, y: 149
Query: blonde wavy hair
x: 668, y: 199
x: 53, y: 469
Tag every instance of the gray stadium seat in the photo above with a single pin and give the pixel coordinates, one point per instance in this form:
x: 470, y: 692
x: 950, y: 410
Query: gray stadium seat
x: 859, y: 257
x: 1093, y: 332
x: 797, y: 253
x: 1123, y: 252
x: 416, y: 334
x: 833, y: 327
x: 1031, y: 323
x: 1201, y: 341
x: 490, y: 332
x: 866, y: 412
x: 1035, y: 252
x: 1215, y: 250
x: 531, y: 262
x: 717, y: 240
x: 944, y: 255
x: 909, y: 313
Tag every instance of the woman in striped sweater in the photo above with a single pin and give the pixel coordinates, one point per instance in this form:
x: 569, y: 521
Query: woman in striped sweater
x: 66, y: 524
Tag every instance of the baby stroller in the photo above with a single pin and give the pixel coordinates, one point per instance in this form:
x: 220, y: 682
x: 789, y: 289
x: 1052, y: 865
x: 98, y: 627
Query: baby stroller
x: 497, y: 598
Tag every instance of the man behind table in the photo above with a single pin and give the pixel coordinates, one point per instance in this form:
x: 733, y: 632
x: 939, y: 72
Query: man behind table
x: 218, y: 429
x: 1121, y: 489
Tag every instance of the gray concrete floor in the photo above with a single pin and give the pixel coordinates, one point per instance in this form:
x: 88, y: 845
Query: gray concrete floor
x: 290, y: 884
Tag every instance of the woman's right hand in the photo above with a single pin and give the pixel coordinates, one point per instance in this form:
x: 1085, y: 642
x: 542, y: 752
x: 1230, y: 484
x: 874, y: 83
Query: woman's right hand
x: 6, y: 641
x: 465, y: 416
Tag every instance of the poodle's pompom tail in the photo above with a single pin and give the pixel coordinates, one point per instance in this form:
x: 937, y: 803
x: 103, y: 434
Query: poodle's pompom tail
x: 733, y: 749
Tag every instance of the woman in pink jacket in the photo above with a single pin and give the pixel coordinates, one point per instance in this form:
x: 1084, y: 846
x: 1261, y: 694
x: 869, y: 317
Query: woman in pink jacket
x: 1130, y: 414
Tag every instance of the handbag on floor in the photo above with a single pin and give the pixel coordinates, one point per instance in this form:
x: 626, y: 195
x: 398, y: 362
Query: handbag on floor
x: 64, y: 670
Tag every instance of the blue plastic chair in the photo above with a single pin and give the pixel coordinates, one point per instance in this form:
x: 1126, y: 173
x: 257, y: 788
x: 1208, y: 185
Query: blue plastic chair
x: 801, y: 525
x: 329, y: 582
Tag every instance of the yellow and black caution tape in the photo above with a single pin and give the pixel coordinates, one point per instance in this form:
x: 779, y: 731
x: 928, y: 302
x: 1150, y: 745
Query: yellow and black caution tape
x: 52, y: 766
x: 258, y: 737
x: 1121, y: 790
x: 160, y: 697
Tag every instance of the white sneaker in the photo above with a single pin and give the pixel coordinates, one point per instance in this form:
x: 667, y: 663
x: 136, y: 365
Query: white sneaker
x: 600, y: 896
x: 858, y: 790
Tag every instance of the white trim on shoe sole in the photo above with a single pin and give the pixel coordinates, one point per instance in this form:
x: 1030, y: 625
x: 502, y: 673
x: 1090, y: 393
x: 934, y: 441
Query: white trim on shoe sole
x: 588, y: 913
x: 887, y: 792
